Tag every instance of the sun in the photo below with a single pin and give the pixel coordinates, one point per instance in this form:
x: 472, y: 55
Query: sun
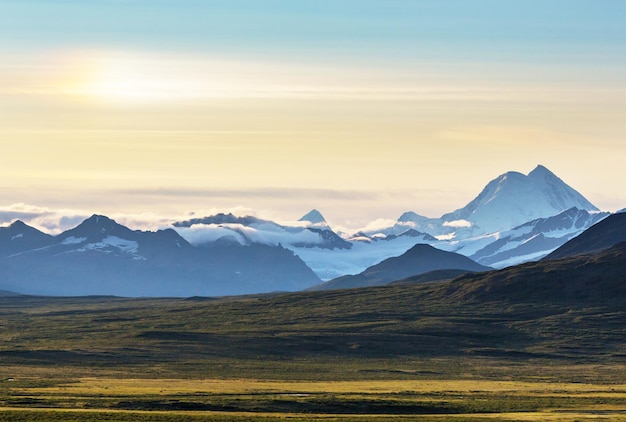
x: 125, y: 78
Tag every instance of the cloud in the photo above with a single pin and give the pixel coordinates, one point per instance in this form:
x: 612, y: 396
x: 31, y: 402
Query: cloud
x: 55, y: 221
x: 148, y: 77
x: 256, y: 193
x: 457, y: 223
x: 377, y: 225
x: 46, y: 219
x: 265, y: 233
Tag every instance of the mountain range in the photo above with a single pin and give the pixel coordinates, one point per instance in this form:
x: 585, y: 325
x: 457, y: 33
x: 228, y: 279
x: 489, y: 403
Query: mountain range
x: 596, y: 255
x: 514, y: 219
x: 101, y: 257
x: 224, y: 254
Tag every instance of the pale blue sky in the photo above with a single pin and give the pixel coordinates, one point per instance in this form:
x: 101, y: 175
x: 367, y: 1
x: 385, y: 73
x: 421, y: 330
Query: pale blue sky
x: 480, y: 29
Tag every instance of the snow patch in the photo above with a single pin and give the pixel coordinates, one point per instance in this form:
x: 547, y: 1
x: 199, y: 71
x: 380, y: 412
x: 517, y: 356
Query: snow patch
x: 521, y: 259
x: 448, y: 236
x: 109, y: 243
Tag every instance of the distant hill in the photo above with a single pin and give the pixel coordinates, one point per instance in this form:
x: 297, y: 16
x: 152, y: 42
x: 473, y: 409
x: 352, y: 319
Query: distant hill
x: 603, y: 235
x: 420, y: 259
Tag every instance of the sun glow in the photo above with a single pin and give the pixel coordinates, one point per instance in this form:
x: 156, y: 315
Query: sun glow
x: 124, y: 78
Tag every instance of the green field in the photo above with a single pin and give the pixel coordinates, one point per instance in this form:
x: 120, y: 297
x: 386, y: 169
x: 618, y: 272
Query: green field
x: 401, y: 352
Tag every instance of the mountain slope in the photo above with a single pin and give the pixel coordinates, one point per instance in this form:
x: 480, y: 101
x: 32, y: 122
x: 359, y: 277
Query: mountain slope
x: 603, y: 235
x: 101, y: 257
x: 527, y: 242
x: 507, y: 201
x: 419, y: 259
x: 590, y: 279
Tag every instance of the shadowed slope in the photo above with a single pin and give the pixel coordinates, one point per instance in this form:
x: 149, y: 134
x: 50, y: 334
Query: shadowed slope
x: 600, y: 236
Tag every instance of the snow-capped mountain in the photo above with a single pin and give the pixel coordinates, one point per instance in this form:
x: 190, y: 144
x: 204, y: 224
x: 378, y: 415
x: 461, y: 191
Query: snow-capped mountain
x: 101, y: 257
x: 248, y: 230
x: 508, y: 201
x: 527, y: 242
x: 513, y: 199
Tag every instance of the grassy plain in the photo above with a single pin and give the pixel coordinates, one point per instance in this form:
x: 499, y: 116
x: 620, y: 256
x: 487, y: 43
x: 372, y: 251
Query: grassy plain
x: 402, y: 352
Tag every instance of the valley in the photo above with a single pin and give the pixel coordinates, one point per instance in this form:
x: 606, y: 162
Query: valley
x: 455, y: 349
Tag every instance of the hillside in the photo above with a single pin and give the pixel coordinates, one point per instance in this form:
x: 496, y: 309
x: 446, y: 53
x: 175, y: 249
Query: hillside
x: 558, y: 310
x: 593, y: 279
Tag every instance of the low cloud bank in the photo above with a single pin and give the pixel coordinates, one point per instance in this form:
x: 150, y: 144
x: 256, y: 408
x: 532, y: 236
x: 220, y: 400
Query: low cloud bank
x: 266, y: 233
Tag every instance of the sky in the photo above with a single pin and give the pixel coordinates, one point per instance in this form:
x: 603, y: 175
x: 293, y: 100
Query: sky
x: 362, y: 109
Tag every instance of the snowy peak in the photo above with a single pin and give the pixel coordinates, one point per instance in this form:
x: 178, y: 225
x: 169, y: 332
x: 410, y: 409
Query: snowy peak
x: 513, y: 199
x: 314, y: 217
x: 559, y: 194
x: 541, y: 172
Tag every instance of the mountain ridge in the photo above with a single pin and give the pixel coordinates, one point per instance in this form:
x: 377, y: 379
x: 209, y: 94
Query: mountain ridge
x: 102, y: 257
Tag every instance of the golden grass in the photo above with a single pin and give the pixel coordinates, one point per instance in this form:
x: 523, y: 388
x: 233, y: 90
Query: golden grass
x: 107, y: 386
